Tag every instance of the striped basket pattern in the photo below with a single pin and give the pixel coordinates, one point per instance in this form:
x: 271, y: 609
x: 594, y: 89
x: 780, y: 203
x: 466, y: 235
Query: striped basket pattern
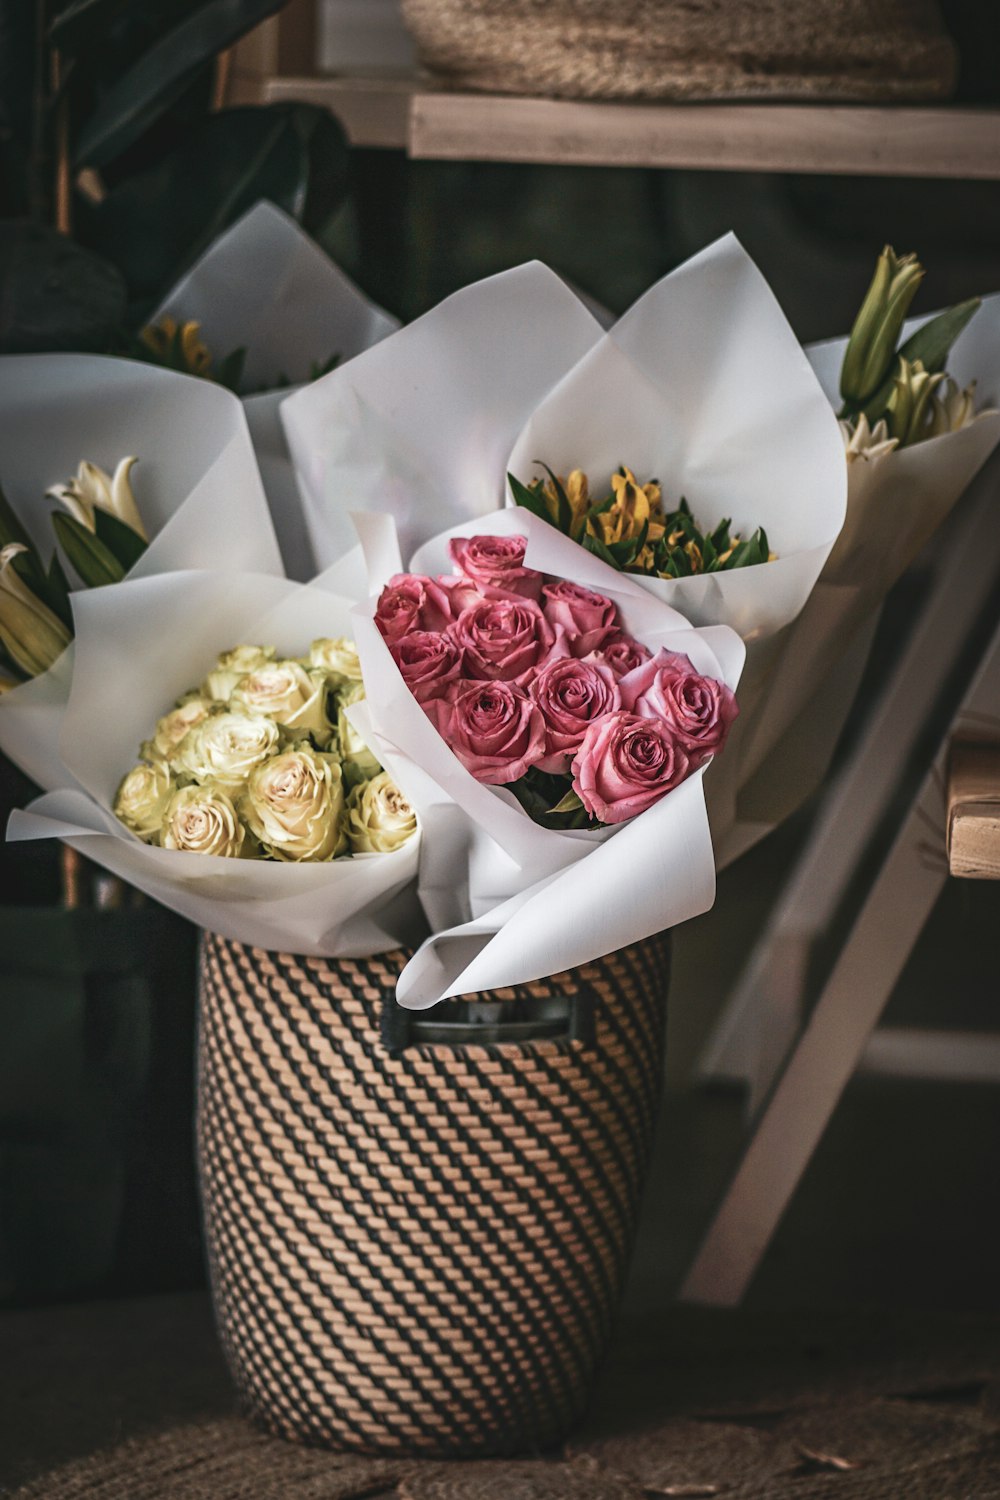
x: 419, y: 1251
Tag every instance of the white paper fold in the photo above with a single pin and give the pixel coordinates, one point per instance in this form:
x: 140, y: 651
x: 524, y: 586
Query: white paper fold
x: 196, y: 484
x: 139, y: 645
x: 510, y: 901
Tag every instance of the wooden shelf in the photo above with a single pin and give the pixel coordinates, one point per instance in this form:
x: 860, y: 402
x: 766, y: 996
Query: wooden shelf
x: 431, y: 123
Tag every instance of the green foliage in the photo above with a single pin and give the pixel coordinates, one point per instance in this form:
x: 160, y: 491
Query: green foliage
x: 166, y: 176
x: 93, y: 561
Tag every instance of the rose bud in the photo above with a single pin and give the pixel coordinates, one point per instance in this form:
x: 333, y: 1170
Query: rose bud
x: 379, y: 818
x: 621, y: 653
x: 495, y: 564
x: 294, y: 805
x: 202, y: 820
x: 625, y: 764
x: 505, y: 640
x: 698, y: 710
x: 570, y: 695
x: 587, y: 618
x: 410, y: 601
x: 427, y: 662
x: 493, y: 727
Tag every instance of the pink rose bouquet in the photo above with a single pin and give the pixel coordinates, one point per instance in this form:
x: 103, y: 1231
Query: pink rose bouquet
x: 534, y: 685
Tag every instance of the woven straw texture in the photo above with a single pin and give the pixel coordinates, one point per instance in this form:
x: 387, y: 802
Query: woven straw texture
x: 422, y: 1252
x: 688, y: 49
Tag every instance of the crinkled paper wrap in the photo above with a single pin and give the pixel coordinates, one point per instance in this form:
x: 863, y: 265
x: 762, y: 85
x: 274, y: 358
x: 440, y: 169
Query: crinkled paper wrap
x: 138, y: 647
x: 267, y: 287
x: 895, y: 504
x: 196, y: 483
x: 507, y: 900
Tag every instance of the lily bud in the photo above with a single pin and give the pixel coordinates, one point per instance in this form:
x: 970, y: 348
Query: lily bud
x: 32, y: 635
x: 907, y: 413
x: 92, y: 489
x: 952, y: 409
x: 872, y: 344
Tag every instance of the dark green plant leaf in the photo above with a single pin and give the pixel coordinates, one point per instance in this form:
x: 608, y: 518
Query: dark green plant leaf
x: 529, y: 499
x: 596, y: 546
x: 58, y: 595
x: 564, y: 511
x: 156, y: 222
x: 133, y: 102
x: 230, y: 370
x: 90, y: 559
x: 11, y: 529
x: 83, y: 21
x: 125, y: 545
x: 54, y: 294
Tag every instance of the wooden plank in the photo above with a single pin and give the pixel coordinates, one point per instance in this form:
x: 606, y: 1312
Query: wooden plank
x: 374, y: 111
x: 736, y: 137
x: 974, y: 811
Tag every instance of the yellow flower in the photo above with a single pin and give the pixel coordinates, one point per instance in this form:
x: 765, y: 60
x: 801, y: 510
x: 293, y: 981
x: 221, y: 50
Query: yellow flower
x: 32, y: 635
x: 179, y: 347
x: 92, y: 489
x: 635, y: 506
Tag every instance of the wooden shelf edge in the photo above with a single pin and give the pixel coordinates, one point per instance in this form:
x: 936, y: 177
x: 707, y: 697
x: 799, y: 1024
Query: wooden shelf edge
x: 408, y: 113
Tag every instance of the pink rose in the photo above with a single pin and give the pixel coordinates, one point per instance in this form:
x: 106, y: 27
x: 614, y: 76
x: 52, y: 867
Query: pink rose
x: 504, y: 640
x: 621, y: 653
x: 428, y: 662
x: 570, y: 695
x: 699, y: 710
x: 587, y: 618
x: 625, y: 764
x: 494, y: 729
x: 495, y: 564
x: 411, y: 602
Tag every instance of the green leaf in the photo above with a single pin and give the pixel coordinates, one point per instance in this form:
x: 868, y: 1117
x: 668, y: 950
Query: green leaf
x: 55, y: 295
x: 157, y: 221
x: 125, y: 545
x: 153, y: 83
x: 596, y: 546
x: 81, y: 21
x: 230, y: 370
x: 570, y: 803
x: 529, y: 499
x: 90, y: 559
x: 58, y: 593
x: 11, y: 529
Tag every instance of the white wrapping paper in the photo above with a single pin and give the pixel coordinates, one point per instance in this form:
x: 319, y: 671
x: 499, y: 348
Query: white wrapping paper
x: 267, y: 287
x: 138, y: 647
x: 196, y: 484
x: 895, y: 504
x: 509, y: 901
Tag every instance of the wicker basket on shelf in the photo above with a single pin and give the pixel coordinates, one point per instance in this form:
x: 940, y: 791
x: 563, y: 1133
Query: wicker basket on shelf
x: 419, y: 1246
x: 676, y: 49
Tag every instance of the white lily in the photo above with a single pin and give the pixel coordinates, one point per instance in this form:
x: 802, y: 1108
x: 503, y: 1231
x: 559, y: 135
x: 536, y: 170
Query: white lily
x: 92, y: 489
x: 862, y: 441
x: 32, y: 635
x: 952, y: 408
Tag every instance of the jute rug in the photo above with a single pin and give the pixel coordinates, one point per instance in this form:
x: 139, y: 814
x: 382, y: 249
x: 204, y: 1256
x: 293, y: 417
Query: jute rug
x: 877, y: 1449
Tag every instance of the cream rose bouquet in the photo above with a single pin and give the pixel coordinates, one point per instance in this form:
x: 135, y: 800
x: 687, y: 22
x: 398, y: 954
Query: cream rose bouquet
x: 259, y: 761
x: 256, y: 807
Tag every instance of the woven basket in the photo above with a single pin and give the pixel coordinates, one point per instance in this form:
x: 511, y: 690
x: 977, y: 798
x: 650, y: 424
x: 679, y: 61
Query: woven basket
x: 419, y: 1248
x: 688, y: 49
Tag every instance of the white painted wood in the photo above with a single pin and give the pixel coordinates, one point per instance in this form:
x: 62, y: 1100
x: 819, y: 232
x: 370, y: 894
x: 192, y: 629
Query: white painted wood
x: 835, y: 1038
x: 763, y: 1014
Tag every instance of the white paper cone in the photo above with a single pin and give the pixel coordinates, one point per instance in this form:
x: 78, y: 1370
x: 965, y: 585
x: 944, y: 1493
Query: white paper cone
x: 422, y: 425
x: 141, y: 644
x: 267, y: 287
x: 196, y: 485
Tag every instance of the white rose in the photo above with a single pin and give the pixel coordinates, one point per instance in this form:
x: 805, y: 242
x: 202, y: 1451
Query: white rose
x: 230, y: 667
x: 358, y: 761
x: 294, y: 805
x: 338, y: 659
x: 142, y: 798
x: 202, y: 820
x: 379, y: 818
x: 227, y: 747
x: 172, y: 729
x: 286, y: 692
